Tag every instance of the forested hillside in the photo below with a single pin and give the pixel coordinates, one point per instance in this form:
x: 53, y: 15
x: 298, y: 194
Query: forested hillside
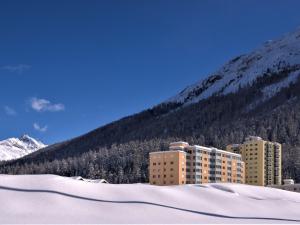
x: 119, y: 151
x: 253, y: 94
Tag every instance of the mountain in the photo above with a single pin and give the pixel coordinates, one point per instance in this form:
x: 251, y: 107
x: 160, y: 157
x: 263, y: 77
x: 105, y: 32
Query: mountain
x: 254, y: 94
x: 14, y: 148
x: 275, y: 56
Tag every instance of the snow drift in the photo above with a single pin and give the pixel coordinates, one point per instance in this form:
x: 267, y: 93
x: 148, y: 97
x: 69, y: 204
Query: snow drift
x: 55, y: 199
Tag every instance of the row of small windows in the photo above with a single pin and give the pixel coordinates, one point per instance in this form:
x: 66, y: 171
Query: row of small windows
x: 251, y: 167
x: 250, y: 163
x: 154, y: 164
x: 251, y: 144
x: 171, y: 169
x: 158, y: 170
x: 251, y: 149
x: 214, y: 154
x: 198, y: 163
x: 165, y: 176
x: 251, y: 154
x: 251, y: 158
x: 251, y: 177
x: 197, y: 176
x: 194, y: 170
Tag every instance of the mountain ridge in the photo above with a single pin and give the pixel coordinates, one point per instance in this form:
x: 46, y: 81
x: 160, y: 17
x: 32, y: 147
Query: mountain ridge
x: 273, y: 56
x: 14, y: 148
x: 268, y: 106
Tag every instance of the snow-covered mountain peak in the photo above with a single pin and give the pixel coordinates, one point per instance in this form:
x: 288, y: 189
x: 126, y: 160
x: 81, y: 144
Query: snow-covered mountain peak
x: 13, y: 148
x: 273, y: 56
x: 31, y: 142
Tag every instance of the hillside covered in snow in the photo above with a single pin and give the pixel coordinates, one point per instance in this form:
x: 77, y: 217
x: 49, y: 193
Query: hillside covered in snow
x: 256, y: 94
x: 14, y: 148
x: 273, y: 57
x: 54, y: 199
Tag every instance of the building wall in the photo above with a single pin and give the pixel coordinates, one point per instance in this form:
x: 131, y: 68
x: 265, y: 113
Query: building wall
x: 205, y: 168
x: 209, y: 165
x: 195, y: 165
x: 262, y: 160
x: 167, y: 168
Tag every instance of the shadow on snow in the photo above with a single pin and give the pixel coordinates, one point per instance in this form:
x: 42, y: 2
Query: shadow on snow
x: 144, y: 203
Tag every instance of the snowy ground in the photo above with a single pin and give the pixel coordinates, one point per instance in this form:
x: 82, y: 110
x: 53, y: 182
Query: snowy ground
x: 55, y: 199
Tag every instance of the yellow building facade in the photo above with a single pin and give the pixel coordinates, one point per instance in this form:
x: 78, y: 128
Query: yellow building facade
x: 262, y: 160
x: 167, y: 167
x: 195, y: 165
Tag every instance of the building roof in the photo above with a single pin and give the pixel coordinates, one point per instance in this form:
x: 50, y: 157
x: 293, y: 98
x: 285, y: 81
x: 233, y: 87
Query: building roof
x: 210, y: 149
x: 235, y: 145
x: 179, y: 142
x: 169, y: 151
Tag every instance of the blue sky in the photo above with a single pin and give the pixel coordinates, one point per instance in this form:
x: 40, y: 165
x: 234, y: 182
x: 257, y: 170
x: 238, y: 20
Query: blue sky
x: 67, y: 67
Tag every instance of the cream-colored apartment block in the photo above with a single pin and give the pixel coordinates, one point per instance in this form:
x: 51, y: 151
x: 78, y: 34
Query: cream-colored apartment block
x: 167, y: 167
x: 212, y: 165
x: 194, y: 165
x: 262, y: 160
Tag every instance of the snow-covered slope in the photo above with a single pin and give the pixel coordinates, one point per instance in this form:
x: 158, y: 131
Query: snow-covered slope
x: 14, y: 148
x: 273, y: 57
x: 54, y: 199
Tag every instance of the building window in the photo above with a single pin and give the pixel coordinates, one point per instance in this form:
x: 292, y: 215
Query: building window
x: 172, y: 163
x: 154, y: 164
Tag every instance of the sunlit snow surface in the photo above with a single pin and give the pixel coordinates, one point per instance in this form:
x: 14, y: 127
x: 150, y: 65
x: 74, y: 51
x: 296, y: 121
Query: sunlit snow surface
x: 273, y: 56
x: 55, y: 199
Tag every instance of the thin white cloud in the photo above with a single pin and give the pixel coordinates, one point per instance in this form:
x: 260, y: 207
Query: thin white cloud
x: 20, y: 68
x: 39, y: 128
x: 43, y: 105
x: 9, y: 111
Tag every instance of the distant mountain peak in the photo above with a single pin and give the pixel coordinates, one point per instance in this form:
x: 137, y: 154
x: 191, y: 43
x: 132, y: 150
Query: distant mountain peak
x: 13, y: 148
x: 272, y: 57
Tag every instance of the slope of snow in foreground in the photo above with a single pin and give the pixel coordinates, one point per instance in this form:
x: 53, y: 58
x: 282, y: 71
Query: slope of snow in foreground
x: 55, y: 199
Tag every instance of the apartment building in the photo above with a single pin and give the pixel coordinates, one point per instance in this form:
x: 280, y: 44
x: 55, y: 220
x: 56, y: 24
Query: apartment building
x: 197, y: 165
x: 262, y: 160
x: 167, y: 167
x: 210, y: 165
